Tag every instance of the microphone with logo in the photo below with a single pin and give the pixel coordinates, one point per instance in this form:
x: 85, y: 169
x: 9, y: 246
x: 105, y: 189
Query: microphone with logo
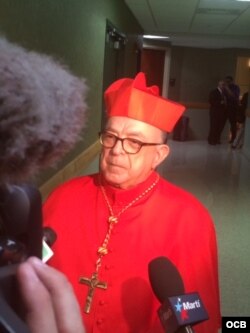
x: 42, y: 114
x: 178, y: 311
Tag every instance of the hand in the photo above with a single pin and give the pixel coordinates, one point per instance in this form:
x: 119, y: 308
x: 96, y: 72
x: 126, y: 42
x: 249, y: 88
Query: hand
x: 49, y: 299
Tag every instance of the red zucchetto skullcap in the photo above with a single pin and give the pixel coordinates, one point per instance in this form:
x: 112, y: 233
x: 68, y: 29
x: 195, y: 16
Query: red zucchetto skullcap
x: 132, y: 98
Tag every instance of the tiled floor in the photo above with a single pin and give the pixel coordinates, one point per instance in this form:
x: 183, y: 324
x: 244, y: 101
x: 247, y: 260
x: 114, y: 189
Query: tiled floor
x: 220, y: 178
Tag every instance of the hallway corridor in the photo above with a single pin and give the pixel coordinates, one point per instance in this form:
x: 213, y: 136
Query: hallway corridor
x: 219, y: 178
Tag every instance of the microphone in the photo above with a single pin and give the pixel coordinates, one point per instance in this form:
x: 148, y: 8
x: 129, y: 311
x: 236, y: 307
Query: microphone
x: 42, y: 111
x: 178, y: 310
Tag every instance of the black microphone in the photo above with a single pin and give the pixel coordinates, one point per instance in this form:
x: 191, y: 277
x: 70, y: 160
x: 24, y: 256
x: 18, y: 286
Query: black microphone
x: 178, y: 310
x: 42, y: 114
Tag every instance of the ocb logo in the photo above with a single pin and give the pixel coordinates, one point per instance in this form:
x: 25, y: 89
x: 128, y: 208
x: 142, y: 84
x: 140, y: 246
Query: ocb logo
x: 236, y: 324
x: 231, y: 324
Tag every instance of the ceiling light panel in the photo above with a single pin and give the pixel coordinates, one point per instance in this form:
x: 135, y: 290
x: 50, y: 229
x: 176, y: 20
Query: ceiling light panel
x: 168, y: 15
x: 142, y: 13
x: 223, y: 5
x: 241, y: 26
x: 210, y: 24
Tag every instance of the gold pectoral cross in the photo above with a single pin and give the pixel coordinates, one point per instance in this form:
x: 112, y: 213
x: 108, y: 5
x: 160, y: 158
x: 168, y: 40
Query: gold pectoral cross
x: 93, y: 283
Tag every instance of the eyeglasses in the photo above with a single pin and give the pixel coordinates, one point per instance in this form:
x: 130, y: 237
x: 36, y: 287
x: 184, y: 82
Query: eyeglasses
x: 129, y: 145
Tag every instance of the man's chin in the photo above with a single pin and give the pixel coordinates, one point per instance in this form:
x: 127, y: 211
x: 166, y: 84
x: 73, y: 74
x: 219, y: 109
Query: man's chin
x: 114, y: 178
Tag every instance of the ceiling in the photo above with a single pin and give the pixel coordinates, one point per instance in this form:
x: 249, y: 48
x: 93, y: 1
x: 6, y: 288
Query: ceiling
x: 196, y: 23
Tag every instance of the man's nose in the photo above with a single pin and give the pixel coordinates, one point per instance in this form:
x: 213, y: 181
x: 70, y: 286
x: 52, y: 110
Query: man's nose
x: 118, y: 147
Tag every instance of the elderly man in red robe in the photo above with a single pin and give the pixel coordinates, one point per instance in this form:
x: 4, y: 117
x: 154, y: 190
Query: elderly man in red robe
x: 112, y: 224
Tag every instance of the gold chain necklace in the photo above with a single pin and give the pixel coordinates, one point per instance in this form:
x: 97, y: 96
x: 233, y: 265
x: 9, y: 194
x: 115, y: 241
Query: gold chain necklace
x: 93, y: 282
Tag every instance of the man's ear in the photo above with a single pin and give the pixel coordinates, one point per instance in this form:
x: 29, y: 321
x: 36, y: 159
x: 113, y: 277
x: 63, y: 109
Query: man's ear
x: 162, y: 152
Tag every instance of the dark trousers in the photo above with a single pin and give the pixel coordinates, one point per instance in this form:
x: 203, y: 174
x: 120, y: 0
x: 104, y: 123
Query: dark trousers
x: 217, y: 122
x: 232, y: 117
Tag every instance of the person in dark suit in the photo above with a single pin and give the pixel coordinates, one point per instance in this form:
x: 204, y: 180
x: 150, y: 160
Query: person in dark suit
x: 241, y: 118
x: 217, y: 113
x: 232, y: 92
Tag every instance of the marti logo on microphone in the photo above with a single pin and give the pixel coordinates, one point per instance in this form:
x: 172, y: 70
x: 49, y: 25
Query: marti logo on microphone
x: 182, y: 310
